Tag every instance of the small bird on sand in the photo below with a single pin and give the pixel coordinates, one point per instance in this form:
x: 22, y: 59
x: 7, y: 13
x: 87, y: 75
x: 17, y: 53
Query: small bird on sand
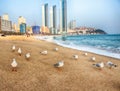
x: 27, y: 56
x: 19, y: 51
x: 86, y: 54
x: 44, y: 52
x: 13, y: 48
x: 93, y: 58
x: 110, y: 64
x: 56, y: 49
x: 59, y: 64
x: 14, y: 65
x: 75, y: 57
x: 99, y: 65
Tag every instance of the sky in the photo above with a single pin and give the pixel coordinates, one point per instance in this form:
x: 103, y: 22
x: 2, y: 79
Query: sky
x: 102, y: 14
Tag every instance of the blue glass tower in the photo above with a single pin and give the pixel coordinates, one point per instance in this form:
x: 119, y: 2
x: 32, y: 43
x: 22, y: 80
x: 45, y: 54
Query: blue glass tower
x: 63, y: 16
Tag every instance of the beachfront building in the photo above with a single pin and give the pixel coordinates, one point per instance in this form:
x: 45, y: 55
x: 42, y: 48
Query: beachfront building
x: 63, y: 16
x: 21, y: 20
x: 72, y: 25
x: 45, y: 15
x: 14, y: 27
x: 53, y: 20
x: 5, y: 25
x: 45, y: 25
x: 5, y: 17
x: 23, y: 28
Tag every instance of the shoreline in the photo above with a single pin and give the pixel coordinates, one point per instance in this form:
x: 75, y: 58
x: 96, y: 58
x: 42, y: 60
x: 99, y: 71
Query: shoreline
x: 87, y: 49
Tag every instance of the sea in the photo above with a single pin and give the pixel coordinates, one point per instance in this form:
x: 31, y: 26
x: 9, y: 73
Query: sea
x: 107, y: 45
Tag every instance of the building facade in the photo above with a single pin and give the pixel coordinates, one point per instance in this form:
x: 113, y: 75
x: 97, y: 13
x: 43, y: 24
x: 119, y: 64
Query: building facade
x: 63, y: 16
x: 21, y: 20
x: 72, y: 24
x: 22, y: 28
x: 45, y: 15
x: 6, y: 25
x: 53, y: 20
x: 5, y: 17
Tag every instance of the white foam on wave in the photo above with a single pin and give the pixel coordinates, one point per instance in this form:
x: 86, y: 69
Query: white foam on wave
x: 80, y: 47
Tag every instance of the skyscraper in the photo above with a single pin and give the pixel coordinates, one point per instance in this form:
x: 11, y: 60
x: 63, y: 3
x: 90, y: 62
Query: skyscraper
x: 63, y: 16
x: 21, y: 20
x: 5, y: 17
x: 53, y: 19
x: 5, y: 24
x: 45, y: 15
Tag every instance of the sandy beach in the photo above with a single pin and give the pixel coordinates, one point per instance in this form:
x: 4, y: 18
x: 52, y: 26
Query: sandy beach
x: 39, y: 74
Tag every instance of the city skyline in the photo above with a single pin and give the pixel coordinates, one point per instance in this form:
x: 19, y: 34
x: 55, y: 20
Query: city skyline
x: 103, y: 14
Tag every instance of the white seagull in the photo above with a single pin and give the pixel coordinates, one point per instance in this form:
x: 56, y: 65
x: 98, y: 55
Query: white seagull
x: 86, y: 54
x: 27, y: 56
x: 99, y: 65
x: 75, y: 57
x: 44, y: 52
x: 14, y: 65
x: 19, y: 51
x: 110, y: 64
x: 93, y: 58
x: 59, y: 64
x: 13, y: 48
x: 56, y: 49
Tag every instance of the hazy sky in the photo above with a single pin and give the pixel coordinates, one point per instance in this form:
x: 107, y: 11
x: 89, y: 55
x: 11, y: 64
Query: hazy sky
x: 103, y: 14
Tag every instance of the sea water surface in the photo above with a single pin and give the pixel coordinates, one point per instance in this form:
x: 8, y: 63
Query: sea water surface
x: 107, y: 45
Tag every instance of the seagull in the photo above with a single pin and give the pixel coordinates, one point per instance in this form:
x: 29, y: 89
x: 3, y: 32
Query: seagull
x: 56, y: 49
x: 27, y: 56
x: 99, y: 65
x: 44, y: 52
x: 75, y: 57
x: 14, y: 65
x: 93, y: 58
x: 13, y: 48
x: 59, y: 64
x: 110, y: 64
x: 86, y: 54
x: 19, y: 51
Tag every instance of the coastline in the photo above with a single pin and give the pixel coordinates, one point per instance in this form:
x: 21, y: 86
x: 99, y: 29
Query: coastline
x: 80, y: 48
x: 39, y: 74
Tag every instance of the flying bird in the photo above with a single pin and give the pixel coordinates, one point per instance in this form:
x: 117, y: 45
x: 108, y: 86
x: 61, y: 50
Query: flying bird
x: 14, y: 65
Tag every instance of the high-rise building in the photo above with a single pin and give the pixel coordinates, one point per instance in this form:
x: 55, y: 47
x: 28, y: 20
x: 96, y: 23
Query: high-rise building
x: 21, y: 20
x: 45, y: 15
x: 5, y: 25
x: 72, y: 24
x: 5, y: 17
x: 53, y: 20
x: 63, y: 16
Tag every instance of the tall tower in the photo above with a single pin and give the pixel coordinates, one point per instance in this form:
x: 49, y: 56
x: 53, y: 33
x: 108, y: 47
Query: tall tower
x: 63, y: 16
x: 5, y: 17
x: 53, y: 19
x: 21, y: 20
x: 45, y: 15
